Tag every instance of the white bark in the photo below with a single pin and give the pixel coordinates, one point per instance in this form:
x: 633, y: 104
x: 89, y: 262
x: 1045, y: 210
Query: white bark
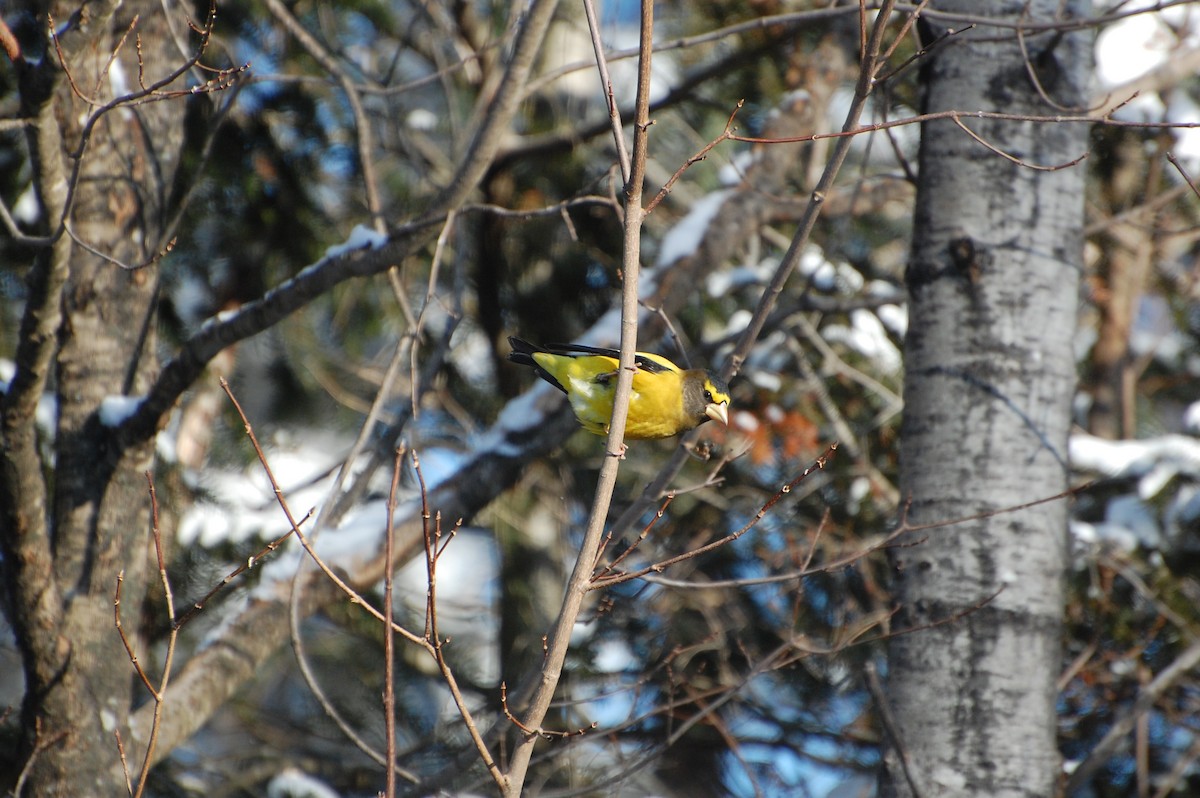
x: 993, y: 286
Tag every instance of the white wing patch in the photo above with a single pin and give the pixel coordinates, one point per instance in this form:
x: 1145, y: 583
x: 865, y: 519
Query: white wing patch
x: 588, y: 389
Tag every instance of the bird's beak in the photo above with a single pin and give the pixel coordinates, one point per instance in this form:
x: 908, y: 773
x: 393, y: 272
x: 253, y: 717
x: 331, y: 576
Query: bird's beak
x: 718, y: 412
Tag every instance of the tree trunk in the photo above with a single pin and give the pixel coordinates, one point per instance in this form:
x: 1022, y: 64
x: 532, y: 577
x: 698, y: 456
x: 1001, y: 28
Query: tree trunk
x: 993, y: 287
x: 65, y: 545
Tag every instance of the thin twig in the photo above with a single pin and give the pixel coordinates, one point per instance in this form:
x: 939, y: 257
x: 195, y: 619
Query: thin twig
x: 910, y: 21
x: 645, y: 531
x: 545, y: 734
x: 133, y: 658
x: 431, y: 633
x: 40, y: 744
x: 10, y: 45
x: 155, y: 92
x: 362, y: 122
x: 156, y: 693
x: 922, y: 53
x: 1032, y: 74
x: 726, y: 135
x: 330, y: 510
x: 389, y: 665
x: 658, y: 567
x: 124, y: 762
x: 1183, y: 173
x: 251, y: 561
x: 1168, y: 783
x: 353, y: 595
x: 1012, y: 158
x: 903, y: 527
x: 582, y: 201
x: 419, y: 325
x: 281, y: 499
x: 1051, y: 119
x: 614, y: 112
x: 433, y: 641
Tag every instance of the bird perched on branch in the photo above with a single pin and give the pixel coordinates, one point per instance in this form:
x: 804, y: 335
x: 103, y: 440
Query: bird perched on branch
x: 666, y: 399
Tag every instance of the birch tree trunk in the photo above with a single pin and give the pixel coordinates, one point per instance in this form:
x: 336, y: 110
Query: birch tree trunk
x: 993, y: 284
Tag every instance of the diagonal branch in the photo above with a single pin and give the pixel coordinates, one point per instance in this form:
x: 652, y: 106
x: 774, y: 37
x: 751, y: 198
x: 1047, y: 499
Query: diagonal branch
x: 500, y: 108
x: 254, y: 317
x: 178, y: 374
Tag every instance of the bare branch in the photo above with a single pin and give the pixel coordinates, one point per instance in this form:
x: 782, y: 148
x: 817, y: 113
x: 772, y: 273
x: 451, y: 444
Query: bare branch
x: 538, y: 732
x: 658, y: 567
x: 133, y: 659
x: 614, y: 112
x: 389, y: 664
x: 695, y: 159
x: 156, y: 693
x: 497, y: 111
x: 1012, y: 158
x: 281, y: 499
x: 10, y: 45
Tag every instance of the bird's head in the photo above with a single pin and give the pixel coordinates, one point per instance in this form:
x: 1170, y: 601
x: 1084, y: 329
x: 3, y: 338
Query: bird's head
x: 705, y: 396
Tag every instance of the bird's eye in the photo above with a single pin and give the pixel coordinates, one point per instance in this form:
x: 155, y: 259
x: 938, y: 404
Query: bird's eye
x: 708, y: 397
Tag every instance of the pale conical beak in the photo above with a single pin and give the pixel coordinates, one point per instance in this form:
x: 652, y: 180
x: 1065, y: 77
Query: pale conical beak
x: 718, y: 412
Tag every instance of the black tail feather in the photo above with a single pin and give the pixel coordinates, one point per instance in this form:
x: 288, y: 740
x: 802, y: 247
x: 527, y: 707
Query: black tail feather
x: 522, y: 355
x: 523, y: 351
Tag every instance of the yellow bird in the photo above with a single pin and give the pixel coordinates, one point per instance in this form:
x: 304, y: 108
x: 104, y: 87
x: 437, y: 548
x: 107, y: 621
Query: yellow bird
x: 666, y: 399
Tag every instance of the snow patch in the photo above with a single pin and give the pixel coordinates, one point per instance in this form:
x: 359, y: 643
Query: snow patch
x: 1139, y: 44
x: 867, y: 336
x: 613, y: 656
x: 294, y: 783
x: 734, y: 172
x: 118, y: 81
x: 114, y: 410
x: 421, y: 119
x: 1191, y: 418
x: 27, y: 209
x: 768, y: 381
x: 361, y: 237
x: 719, y: 283
x: 744, y: 421
x: 894, y: 317
x: 685, y: 237
x: 1154, y: 461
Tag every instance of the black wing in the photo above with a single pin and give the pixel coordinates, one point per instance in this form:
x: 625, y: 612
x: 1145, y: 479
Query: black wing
x: 574, y: 350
